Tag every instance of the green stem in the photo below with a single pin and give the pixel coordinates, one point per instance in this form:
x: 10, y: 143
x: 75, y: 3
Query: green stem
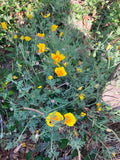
x: 24, y: 129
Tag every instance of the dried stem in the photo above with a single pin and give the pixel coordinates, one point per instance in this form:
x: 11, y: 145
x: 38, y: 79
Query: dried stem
x: 79, y: 154
x: 34, y: 110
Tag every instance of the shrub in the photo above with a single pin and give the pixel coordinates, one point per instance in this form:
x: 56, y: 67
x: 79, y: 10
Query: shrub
x: 55, y: 92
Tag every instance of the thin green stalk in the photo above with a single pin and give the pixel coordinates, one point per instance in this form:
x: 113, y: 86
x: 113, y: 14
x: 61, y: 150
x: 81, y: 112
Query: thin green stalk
x: 105, y: 147
x: 24, y: 129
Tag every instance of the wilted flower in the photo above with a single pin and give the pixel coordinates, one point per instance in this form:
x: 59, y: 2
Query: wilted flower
x: 27, y: 38
x: 60, y: 71
x: 54, y: 27
x: 4, y: 26
x: 70, y: 119
x: 96, y: 86
x: 83, y: 114
x: 57, y: 57
x: 19, y: 65
x: 53, y: 118
x: 41, y: 47
x: 36, y: 136
x: 108, y: 130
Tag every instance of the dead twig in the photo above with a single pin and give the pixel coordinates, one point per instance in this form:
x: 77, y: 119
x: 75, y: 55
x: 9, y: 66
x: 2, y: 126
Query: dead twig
x: 79, y: 154
x: 34, y: 110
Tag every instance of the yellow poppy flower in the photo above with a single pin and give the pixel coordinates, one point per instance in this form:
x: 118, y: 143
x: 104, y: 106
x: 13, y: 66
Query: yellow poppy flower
x: 27, y: 38
x: 82, y: 96
x: 15, y: 36
x: 41, y: 35
x: 4, y: 26
x: 61, y: 34
x: 15, y: 77
x: 41, y: 47
x: 98, y: 104
x: 54, y: 27
x: 60, y: 71
x: 99, y: 109
x: 79, y: 70
x: 29, y: 16
x: 50, y: 77
x: 80, y: 88
x: 119, y: 47
x: 108, y: 46
x: 53, y: 118
x: 83, y: 114
x: 57, y: 57
x: 24, y: 144
x: 114, y: 154
x: 75, y: 132
x: 30, y: 9
x: 22, y: 37
x: 37, y: 131
x: 65, y: 64
x: 70, y: 119
x: 39, y: 87
x: 45, y: 16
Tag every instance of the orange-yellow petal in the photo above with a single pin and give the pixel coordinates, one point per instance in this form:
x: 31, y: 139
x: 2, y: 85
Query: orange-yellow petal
x: 60, y: 71
x: 70, y: 119
x: 54, y: 27
x: 53, y: 118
